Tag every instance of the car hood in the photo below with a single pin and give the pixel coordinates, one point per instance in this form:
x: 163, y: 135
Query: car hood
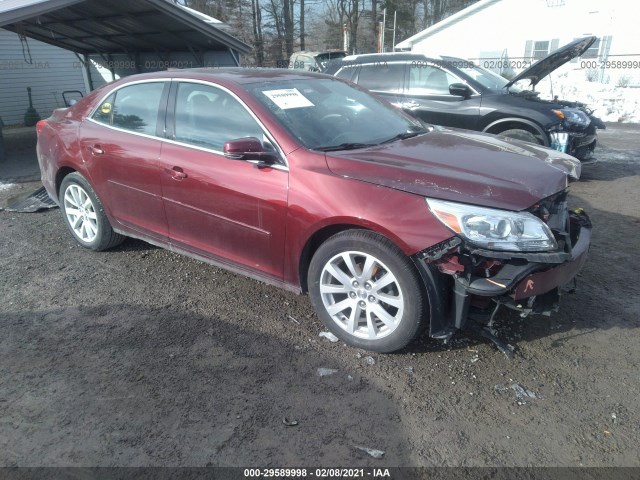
x: 555, y: 59
x: 461, y: 166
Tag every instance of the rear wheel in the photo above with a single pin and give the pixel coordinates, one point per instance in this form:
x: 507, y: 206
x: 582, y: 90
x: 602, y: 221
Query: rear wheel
x: 84, y: 214
x: 366, y: 291
x: 519, y: 134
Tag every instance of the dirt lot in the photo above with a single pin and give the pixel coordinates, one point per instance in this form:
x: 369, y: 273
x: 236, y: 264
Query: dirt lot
x: 138, y: 357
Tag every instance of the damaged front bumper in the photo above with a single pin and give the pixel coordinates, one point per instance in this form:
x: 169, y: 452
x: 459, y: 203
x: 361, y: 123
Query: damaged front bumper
x: 465, y: 282
x: 579, y: 142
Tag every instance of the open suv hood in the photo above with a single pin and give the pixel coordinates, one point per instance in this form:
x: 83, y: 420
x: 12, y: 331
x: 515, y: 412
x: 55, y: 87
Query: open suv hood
x: 555, y: 59
x: 461, y: 166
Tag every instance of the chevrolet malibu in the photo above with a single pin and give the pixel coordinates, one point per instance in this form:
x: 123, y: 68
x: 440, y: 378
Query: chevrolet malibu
x: 307, y: 182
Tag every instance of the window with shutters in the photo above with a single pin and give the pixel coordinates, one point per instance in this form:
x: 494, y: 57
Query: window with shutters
x: 599, y: 49
x: 538, y: 49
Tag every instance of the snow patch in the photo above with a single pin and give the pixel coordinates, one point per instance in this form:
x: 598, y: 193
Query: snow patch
x: 7, y: 186
x: 610, y: 103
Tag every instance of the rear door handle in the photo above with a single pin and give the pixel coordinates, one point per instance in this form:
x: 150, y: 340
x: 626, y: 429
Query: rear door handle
x: 176, y: 173
x: 96, y: 150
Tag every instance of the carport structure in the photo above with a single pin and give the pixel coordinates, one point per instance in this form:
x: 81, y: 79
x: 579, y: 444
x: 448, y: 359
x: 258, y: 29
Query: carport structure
x: 125, y: 37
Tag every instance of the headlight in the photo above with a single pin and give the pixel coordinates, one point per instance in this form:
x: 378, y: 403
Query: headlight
x: 573, y: 116
x: 494, y: 229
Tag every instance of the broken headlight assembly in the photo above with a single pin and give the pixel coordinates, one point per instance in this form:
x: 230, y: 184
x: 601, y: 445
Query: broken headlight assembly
x: 573, y: 116
x: 494, y: 229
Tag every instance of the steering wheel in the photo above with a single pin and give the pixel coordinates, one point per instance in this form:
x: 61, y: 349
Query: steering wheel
x: 343, y: 122
x: 334, y: 117
x: 342, y: 137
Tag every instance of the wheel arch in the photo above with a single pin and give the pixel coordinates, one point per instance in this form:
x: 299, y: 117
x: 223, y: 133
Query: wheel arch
x: 517, y: 123
x: 312, y: 245
x: 60, y: 175
x: 323, y: 233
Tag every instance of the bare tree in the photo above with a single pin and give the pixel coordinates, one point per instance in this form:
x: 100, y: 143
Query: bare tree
x: 302, y: 45
x: 274, y: 12
x: 276, y: 24
x: 437, y: 10
x: 287, y: 16
x: 415, y: 15
x: 213, y: 8
x: 349, y: 12
x: 374, y: 22
x: 258, y: 38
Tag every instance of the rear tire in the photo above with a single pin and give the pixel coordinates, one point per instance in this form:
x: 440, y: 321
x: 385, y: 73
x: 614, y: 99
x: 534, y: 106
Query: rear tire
x: 522, y: 135
x: 367, y: 292
x: 85, y: 216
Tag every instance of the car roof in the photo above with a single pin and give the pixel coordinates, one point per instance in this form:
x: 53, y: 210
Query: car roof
x: 317, y: 52
x: 237, y: 75
x: 396, y: 57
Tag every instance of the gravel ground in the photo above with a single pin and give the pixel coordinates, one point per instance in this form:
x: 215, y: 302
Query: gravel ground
x: 141, y: 357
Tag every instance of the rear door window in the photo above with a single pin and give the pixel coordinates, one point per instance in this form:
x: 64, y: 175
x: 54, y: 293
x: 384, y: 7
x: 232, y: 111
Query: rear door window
x: 135, y: 108
x: 429, y: 80
x: 382, y: 77
x: 346, y: 73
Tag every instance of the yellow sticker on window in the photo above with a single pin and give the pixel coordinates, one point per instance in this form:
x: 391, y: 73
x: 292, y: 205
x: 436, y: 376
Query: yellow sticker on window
x: 106, y: 108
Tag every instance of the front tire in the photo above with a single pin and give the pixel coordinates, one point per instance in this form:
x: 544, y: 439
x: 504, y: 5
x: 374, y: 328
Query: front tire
x: 366, y: 291
x: 85, y: 216
x: 522, y: 135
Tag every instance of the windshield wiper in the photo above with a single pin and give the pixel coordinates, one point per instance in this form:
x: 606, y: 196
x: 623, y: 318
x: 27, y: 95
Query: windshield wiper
x: 344, y: 146
x: 405, y: 135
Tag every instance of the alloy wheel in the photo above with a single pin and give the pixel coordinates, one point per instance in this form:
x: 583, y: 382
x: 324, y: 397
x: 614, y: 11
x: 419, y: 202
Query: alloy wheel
x: 361, y: 295
x: 81, y: 213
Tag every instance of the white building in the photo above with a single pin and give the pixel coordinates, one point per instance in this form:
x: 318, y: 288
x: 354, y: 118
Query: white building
x: 522, y: 31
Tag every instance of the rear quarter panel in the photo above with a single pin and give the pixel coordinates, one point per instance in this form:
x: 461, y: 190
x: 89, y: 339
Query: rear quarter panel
x: 58, y: 144
x: 58, y: 148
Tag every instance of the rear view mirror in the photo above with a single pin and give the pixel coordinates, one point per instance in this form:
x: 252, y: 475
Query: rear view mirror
x: 460, y: 90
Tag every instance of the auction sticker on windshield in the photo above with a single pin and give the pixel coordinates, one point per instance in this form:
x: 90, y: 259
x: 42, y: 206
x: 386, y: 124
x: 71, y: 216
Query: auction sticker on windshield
x: 288, y: 98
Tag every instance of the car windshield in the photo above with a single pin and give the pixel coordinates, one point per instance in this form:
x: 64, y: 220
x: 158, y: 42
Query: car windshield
x: 325, y: 113
x: 487, y: 78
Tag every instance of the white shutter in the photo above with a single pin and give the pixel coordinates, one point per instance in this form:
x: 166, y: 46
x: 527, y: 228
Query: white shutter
x: 528, y: 50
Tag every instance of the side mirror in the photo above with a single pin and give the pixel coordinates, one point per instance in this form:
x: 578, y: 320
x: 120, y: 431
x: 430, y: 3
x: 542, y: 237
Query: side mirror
x: 460, y: 90
x: 249, y: 148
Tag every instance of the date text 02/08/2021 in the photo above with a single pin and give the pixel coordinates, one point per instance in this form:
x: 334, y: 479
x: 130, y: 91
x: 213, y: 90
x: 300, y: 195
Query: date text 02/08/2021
x: 316, y: 472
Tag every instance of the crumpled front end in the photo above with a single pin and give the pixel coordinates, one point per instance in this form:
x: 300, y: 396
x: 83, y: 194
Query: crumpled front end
x: 472, y: 283
x: 576, y: 134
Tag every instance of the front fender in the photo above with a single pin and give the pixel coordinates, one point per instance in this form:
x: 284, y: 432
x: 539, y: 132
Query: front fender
x: 320, y: 200
x: 494, y: 126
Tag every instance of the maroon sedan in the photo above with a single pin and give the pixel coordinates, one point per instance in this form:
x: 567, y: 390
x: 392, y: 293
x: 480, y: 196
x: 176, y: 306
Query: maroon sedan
x: 312, y: 184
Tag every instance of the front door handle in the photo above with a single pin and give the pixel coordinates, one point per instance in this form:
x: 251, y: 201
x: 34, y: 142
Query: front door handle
x: 96, y: 150
x: 176, y: 173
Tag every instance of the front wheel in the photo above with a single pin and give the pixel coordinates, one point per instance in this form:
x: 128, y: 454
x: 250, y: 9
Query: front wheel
x: 366, y: 291
x: 84, y: 214
x: 519, y: 134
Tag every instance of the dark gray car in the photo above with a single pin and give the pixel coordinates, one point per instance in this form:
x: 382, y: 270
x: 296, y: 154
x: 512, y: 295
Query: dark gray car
x: 455, y: 92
